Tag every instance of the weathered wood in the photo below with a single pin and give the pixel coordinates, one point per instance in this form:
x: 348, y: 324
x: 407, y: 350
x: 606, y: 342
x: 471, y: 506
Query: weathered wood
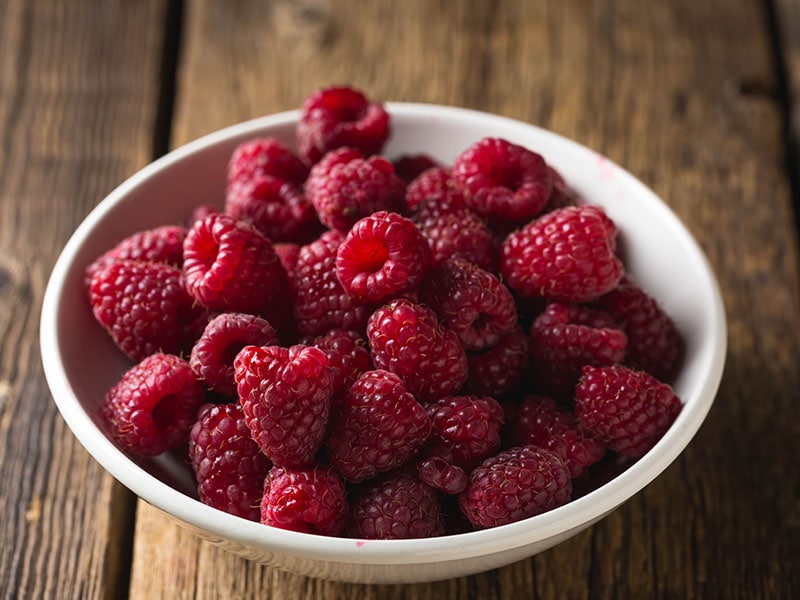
x: 78, y: 92
x: 658, y: 88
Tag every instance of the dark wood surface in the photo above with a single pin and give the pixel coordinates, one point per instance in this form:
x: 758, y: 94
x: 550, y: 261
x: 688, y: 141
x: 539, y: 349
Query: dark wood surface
x: 698, y: 99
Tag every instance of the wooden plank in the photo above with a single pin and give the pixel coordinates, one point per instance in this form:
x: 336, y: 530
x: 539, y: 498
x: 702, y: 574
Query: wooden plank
x: 78, y: 93
x: 650, y: 85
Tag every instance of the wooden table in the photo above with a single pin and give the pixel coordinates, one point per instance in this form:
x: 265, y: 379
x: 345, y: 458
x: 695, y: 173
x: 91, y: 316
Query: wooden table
x: 698, y: 99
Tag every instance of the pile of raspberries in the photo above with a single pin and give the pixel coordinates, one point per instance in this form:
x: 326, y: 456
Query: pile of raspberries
x: 373, y: 348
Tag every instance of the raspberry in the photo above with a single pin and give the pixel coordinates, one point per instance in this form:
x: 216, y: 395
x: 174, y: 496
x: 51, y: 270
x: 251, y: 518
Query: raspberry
x: 321, y: 304
x: 288, y: 253
x: 201, y: 212
x: 160, y: 245
x: 349, y: 358
x: 565, y: 338
x: 153, y: 406
x: 143, y: 306
x: 382, y: 256
x: 627, y: 410
x: 441, y: 475
x: 562, y: 195
x: 265, y: 156
x: 515, y: 484
x: 224, y: 336
x: 229, y: 265
x: 435, y: 183
x: 343, y: 187
x: 285, y: 395
x: 502, y: 181
x: 229, y: 466
x: 499, y: 370
x: 310, y: 500
x: 566, y: 254
x: 654, y: 343
x: 471, y: 302
x: 460, y: 234
x: 275, y: 207
x: 468, y: 426
x: 540, y: 421
x: 407, y: 339
x: 409, y: 166
x: 341, y: 116
x: 396, y: 506
x: 379, y: 427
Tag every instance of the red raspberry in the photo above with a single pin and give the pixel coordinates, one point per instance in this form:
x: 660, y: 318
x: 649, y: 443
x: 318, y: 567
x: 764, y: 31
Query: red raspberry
x: 468, y: 426
x: 153, y: 406
x: 562, y: 195
x: 540, y: 421
x: 382, y: 256
x: 224, y: 336
x: 627, y: 410
x: 501, y: 369
x: 409, y: 166
x: 288, y: 253
x: 379, y: 427
x: 201, y: 212
x: 143, y: 306
x: 265, y: 156
x: 229, y: 466
x: 654, y: 343
x: 502, y: 181
x: 275, y: 207
x: 321, y: 304
x: 435, y: 183
x: 566, y: 254
x: 159, y: 245
x: 285, y: 395
x: 229, y: 265
x: 396, y: 506
x: 349, y: 357
x: 471, y: 302
x: 310, y: 500
x: 565, y: 338
x: 459, y: 234
x: 343, y: 187
x: 515, y: 484
x: 407, y: 339
x: 341, y: 116
x: 442, y: 475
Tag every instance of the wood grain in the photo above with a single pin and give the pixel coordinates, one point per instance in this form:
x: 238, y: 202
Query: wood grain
x: 655, y: 86
x: 78, y: 89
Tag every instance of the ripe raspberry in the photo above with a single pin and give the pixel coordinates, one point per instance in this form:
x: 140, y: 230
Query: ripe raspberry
x: 288, y: 253
x: 321, y: 304
x: 382, y: 256
x: 502, y: 181
x: 228, y: 465
x: 379, y: 427
x: 222, y: 339
x: 541, y: 422
x: 468, y: 426
x: 159, y: 245
x: 436, y: 183
x: 143, y: 306
x: 275, y: 207
x: 265, y: 156
x: 566, y: 254
x: 343, y: 187
x: 285, y: 395
x: 229, y: 265
x: 310, y: 500
x: 409, y: 166
x: 471, y: 302
x: 407, y: 339
x: 341, y: 116
x: 515, y: 484
x: 349, y: 358
x: 654, y: 343
x: 396, y: 506
x: 201, y: 212
x: 627, y: 410
x: 565, y: 338
x: 460, y: 234
x: 562, y: 195
x: 153, y: 406
x: 499, y: 370
x: 442, y: 475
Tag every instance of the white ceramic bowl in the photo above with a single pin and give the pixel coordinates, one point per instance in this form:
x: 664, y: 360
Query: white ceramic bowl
x: 81, y: 363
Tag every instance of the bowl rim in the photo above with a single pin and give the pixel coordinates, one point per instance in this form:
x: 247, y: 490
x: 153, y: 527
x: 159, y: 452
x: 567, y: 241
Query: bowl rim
x: 576, y: 514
